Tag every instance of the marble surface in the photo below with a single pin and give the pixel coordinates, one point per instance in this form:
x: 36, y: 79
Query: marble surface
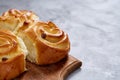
x: 93, y: 27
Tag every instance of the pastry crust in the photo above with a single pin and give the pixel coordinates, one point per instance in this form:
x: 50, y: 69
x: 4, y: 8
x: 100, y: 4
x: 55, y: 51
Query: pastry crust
x: 12, y: 55
x: 49, y: 44
x: 23, y: 14
x: 14, y: 19
x: 46, y: 43
x: 9, y: 23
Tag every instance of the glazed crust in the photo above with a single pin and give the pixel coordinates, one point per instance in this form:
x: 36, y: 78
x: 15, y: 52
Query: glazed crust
x: 50, y: 42
x: 12, y: 68
x: 14, y: 19
x: 24, y: 15
x: 12, y: 58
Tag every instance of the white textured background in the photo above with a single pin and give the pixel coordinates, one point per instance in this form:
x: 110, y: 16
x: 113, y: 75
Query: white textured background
x: 94, y: 31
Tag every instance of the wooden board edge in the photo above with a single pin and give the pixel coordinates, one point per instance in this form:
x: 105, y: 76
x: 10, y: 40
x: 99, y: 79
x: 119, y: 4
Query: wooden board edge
x: 70, y: 68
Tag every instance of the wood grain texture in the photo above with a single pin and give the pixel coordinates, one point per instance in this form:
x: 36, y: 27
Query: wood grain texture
x: 57, y: 71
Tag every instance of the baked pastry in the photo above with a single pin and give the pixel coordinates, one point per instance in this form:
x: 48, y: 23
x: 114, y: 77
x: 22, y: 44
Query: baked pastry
x: 12, y: 55
x: 9, y: 23
x: 46, y: 43
x: 14, y: 19
x: 23, y: 14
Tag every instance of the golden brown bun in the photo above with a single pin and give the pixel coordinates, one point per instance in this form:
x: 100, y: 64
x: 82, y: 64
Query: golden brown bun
x: 12, y: 55
x: 45, y: 42
x: 14, y: 19
x: 9, y: 23
x: 23, y: 14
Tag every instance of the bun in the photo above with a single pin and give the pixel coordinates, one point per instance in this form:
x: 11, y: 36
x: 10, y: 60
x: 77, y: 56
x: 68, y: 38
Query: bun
x: 12, y: 55
x: 14, y: 19
x: 45, y: 42
x: 9, y: 23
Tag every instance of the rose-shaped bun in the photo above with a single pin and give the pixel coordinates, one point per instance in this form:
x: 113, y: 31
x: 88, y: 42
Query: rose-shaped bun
x: 12, y: 55
x: 14, y: 19
x: 45, y: 42
x: 27, y: 15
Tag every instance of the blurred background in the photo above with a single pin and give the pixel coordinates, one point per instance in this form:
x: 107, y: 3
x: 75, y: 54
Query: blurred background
x: 93, y: 27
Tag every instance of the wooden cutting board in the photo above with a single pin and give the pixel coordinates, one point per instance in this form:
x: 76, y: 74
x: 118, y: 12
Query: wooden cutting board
x: 57, y: 71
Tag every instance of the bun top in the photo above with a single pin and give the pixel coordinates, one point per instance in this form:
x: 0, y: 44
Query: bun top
x: 25, y: 15
x: 49, y: 34
x: 8, y: 42
x: 14, y: 19
x: 9, y: 45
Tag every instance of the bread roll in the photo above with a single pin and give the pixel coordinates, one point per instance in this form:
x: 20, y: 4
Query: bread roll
x: 23, y: 14
x: 9, y: 23
x: 12, y: 55
x: 45, y: 42
x: 14, y: 19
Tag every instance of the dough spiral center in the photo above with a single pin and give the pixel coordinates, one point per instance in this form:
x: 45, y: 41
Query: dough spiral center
x: 7, y: 43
